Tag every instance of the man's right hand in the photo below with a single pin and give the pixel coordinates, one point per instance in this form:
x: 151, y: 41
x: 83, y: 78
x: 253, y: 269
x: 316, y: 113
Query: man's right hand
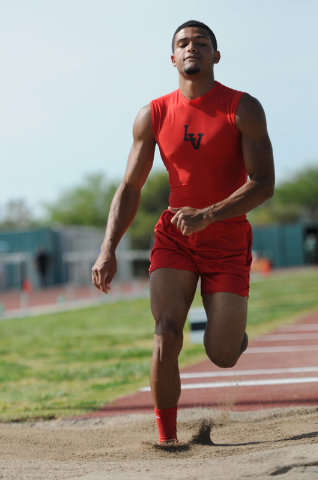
x: 104, y: 270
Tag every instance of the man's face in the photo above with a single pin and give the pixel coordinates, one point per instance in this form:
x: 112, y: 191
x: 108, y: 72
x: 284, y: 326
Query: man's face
x: 193, y: 51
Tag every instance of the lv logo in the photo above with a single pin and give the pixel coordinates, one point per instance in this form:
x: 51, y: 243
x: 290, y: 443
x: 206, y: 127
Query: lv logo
x: 190, y: 137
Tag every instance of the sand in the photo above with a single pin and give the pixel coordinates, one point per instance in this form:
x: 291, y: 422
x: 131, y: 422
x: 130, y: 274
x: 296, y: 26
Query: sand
x: 260, y: 445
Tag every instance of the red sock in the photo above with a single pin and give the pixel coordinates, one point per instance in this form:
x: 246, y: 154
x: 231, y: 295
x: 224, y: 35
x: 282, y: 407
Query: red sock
x: 167, y: 424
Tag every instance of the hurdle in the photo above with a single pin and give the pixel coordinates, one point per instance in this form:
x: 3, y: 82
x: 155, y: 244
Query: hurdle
x: 197, y: 319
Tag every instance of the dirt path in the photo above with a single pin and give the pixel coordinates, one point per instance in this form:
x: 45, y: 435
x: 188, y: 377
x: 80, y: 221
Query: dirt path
x: 243, y: 445
x: 246, y: 445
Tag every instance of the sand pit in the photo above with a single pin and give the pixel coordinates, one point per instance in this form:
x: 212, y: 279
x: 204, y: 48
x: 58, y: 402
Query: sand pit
x: 260, y: 445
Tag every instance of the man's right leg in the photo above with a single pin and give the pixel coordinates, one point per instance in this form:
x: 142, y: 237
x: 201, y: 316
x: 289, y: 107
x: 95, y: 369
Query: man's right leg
x: 171, y: 294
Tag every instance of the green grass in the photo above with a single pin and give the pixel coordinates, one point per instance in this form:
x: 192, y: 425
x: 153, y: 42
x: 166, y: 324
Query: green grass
x: 70, y: 363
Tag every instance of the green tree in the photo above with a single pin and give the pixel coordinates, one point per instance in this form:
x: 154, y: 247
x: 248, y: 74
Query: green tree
x: 89, y: 203
x: 86, y: 204
x: 301, y: 193
x: 294, y: 200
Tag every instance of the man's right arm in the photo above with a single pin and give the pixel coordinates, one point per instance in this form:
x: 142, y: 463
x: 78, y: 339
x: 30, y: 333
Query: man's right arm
x: 126, y: 199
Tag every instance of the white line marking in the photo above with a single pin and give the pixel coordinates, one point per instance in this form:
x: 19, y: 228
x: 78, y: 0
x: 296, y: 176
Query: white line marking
x: 242, y: 373
x: 305, y: 327
x: 250, y: 383
x: 245, y: 383
x: 282, y: 349
x: 288, y: 336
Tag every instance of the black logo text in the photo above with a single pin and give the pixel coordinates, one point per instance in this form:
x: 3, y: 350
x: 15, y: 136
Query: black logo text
x: 190, y: 137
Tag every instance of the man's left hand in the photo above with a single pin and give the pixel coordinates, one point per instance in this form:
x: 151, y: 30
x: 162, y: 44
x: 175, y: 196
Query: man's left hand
x: 190, y: 220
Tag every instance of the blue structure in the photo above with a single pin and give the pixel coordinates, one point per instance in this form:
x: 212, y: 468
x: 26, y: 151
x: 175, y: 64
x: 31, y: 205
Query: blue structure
x: 283, y: 244
x: 54, y: 241
x: 28, y: 242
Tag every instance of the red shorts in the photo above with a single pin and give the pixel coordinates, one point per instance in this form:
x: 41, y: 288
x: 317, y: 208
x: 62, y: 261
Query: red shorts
x: 220, y: 254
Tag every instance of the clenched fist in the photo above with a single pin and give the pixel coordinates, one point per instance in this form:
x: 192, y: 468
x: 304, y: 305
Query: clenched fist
x: 190, y: 220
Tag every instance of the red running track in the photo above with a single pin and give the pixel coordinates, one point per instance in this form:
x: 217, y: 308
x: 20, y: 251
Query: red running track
x: 277, y: 370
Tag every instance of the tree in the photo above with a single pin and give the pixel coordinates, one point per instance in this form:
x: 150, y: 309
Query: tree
x: 294, y: 200
x: 87, y: 204
x: 301, y: 194
x: 16, y: 215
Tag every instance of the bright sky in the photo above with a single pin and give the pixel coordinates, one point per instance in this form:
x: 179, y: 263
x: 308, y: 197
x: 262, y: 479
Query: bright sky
x: 75, y: 73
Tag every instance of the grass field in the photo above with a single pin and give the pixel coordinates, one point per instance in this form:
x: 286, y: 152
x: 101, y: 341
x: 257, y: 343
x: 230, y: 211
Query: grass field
x: 70, y: 363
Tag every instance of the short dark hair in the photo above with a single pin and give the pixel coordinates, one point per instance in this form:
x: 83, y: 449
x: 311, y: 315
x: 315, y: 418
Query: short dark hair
x: 195, y: 23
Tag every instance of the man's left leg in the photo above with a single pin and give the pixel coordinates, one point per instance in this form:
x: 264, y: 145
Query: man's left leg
x: 225, y: 338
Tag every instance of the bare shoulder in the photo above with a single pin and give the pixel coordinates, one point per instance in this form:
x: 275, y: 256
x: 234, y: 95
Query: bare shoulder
x: 142, y: 129
x: 250, y: 115
x: 141, y: 154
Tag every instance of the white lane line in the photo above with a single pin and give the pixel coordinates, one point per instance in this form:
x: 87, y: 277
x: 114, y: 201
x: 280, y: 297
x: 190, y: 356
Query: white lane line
x: 286, y: 337
x: 245, y: 383
x: 250, y: 383
x: 305, y: 327
x: 282, y: 349
x: 241, y: 373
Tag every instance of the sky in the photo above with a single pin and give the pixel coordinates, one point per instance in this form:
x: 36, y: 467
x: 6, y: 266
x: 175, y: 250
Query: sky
x: 75, y: 73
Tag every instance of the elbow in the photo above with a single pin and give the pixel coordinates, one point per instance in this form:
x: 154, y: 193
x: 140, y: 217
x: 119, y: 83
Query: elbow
x: 266, y: 186
x: 270, y: 190
x: 270, y: 182
x: 265, y: 189
x: 267, y: 193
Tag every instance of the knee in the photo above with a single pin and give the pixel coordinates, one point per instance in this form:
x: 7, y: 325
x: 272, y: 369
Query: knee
x: 222, y: 357
x: 225, y: 355
x: 223, y: 360
x: 168, y: 337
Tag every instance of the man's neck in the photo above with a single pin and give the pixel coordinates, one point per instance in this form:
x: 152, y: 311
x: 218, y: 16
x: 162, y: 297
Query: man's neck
x: 193, y: 88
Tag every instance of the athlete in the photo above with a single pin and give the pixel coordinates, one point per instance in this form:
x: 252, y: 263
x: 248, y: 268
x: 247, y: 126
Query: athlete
x: 211, y: 139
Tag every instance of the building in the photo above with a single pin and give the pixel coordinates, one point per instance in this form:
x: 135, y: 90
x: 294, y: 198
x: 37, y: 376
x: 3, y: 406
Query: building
x: 285, y: 245
x: 19, y: 251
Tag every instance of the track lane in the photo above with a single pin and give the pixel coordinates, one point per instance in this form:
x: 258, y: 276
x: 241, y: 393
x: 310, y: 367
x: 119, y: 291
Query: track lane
x: 275, y: 371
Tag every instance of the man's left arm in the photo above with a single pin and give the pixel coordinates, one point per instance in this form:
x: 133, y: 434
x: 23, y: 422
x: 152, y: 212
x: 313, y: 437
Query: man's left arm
x: 259, y: 164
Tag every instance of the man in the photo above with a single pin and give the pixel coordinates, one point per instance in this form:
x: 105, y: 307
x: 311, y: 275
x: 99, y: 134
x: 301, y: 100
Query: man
x: 210, y: 138
x: 42, y: 261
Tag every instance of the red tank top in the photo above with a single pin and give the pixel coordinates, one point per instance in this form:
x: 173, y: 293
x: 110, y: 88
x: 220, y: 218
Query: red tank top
x: 200, y: 145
